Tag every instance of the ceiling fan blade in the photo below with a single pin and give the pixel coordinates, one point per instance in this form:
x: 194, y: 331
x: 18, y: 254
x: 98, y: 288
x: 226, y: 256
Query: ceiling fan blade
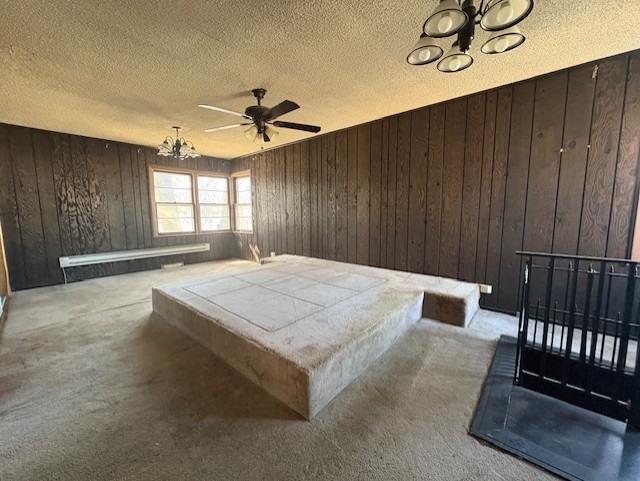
x: 224, y: 111
x: 216, y: 129
x: 280, y: 109
x: 291, y: 125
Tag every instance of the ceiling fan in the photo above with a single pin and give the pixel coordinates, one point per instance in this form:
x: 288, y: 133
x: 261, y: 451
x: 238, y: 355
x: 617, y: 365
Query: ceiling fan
x: 261, y: 118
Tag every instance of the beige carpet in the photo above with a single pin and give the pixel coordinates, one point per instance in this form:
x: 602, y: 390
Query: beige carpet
x: 93, y: 388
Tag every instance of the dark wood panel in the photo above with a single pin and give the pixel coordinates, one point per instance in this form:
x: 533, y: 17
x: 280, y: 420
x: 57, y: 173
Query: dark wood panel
x: 290, y: 188
x: 384, y: 191
x: 498, y: 185
x: 546, y: 143
x: 391, y: 191
x: 434, y: 188
x: 601, y: 165
x: 9, y: 215
x: 471, y: 187
x: 402, y: 190
x: 342, y: 194
x: 522, y: 116
x: 313, y: 185
x: 622, y: 209
x: 573, y: 162
x: 363, y: 194
x: 452, y: 178
x: 28, y: 203
x: 418, y: 188
x: 485, y: 188
x: 352, y: 195
x: 375, y: 197
x: 305, y: 200
x: 42, y: 150
x: 331, y: 196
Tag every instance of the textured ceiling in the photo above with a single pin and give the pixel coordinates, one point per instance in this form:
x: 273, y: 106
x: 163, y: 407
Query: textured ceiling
x: 128, y: 70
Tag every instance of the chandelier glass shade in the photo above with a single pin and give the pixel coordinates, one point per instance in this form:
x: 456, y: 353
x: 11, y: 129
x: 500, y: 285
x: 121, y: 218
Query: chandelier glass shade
x: 178, y: 148
x: 460, y: 17
x: 425, y: 51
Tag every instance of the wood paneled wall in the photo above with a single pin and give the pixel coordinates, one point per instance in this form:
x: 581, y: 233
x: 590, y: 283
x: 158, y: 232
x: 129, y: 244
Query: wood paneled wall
x: 65, y: 195
x: 454, y: 189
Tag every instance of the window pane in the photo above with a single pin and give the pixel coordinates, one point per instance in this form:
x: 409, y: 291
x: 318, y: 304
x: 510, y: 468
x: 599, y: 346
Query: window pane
x: 179, y: 196
x: 243, y: 184
x: 214, y: 211
x: 212, y: 183
x: 243, y: 223
x: 166, y: 226
x: 213, y: 197
x: 174, y: 211
x: 243, y: 197
x: 215, y: 223
x: 168, y: 179
x: 243, y: 210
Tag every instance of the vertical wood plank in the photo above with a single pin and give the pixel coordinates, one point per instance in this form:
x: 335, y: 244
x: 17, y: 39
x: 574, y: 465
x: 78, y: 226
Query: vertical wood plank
x: 524, y: 96
x: 452, y: 178
x: 485, y: 189
x: 402, y: 190
x: 363, y: 194
x: 374, y: 211
x: 352, y: 197
x: 342, y: 194
x: 331, y: 194
x: 471, y: 187
x: 546, y: 142
x: 384, y: 189
x: 290, y: 188
x: 418, y: 189
x: 601, y: 165
x: 306, y: 198
x: 573, y: 162
x: 42, y: 150
x: 498, y: 183
x: 434, y: 188
x: 623, y: 206
x: 9, y: 215
x: 314, y: 202
x: 391, y: 191
x: 28, y: 206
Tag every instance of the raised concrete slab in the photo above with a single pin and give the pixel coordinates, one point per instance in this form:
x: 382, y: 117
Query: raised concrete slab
x: 304, y: 328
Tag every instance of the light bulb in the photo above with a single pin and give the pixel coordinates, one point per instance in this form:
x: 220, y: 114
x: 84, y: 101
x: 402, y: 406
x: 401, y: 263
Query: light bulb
x: 445, y: 23
x: 424, y: 55
x: 455, y: 63
x: 505, y: 14
x: 502, y: 45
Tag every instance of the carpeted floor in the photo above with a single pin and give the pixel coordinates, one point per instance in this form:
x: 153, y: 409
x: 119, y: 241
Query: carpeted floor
x: 92, y: 387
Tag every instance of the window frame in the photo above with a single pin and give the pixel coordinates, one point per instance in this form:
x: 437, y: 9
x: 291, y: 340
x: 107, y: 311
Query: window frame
x: 194, y: 197
x: 232, y: 193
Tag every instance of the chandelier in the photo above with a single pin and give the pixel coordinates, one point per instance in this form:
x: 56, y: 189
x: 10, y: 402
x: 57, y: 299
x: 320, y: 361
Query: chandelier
x: 179, y: 149
x: 460, y: 17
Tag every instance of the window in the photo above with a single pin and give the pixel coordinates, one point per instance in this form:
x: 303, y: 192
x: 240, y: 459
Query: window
x: 242, y: 203
x: 190, y: 202
x: 213, y: 197
x: 174, y: 202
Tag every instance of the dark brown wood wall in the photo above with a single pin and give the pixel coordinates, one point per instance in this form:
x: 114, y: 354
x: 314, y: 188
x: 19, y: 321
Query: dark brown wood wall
x: 454, y: 189
x: 65, y: 195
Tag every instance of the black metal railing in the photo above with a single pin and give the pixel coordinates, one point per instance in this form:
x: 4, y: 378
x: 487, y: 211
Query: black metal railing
x: 578, y: 332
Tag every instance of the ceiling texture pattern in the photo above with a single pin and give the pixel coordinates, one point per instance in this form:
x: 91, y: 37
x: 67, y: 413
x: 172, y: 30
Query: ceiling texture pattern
x: 129, y: 70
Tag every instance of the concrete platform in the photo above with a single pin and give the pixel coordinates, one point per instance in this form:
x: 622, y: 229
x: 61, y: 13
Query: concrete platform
x: 304, y: 328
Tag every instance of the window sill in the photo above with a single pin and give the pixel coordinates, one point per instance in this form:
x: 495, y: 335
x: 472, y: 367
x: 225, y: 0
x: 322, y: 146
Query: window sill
x: 183, y: 234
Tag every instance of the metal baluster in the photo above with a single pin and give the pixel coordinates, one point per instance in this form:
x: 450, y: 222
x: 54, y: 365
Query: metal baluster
x: 547, y: 308
x: 535, y: 325
x: 553, y: 325
x: 626, y: 317
x: 586, y: 316
x: 572, y: 324
x: 596, y: 324
x: 615, y: 339
x: 523, y: 331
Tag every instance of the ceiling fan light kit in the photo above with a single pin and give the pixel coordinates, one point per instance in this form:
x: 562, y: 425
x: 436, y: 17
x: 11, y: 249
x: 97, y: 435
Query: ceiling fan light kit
x: 460, y: 17
x: 178, y: 148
